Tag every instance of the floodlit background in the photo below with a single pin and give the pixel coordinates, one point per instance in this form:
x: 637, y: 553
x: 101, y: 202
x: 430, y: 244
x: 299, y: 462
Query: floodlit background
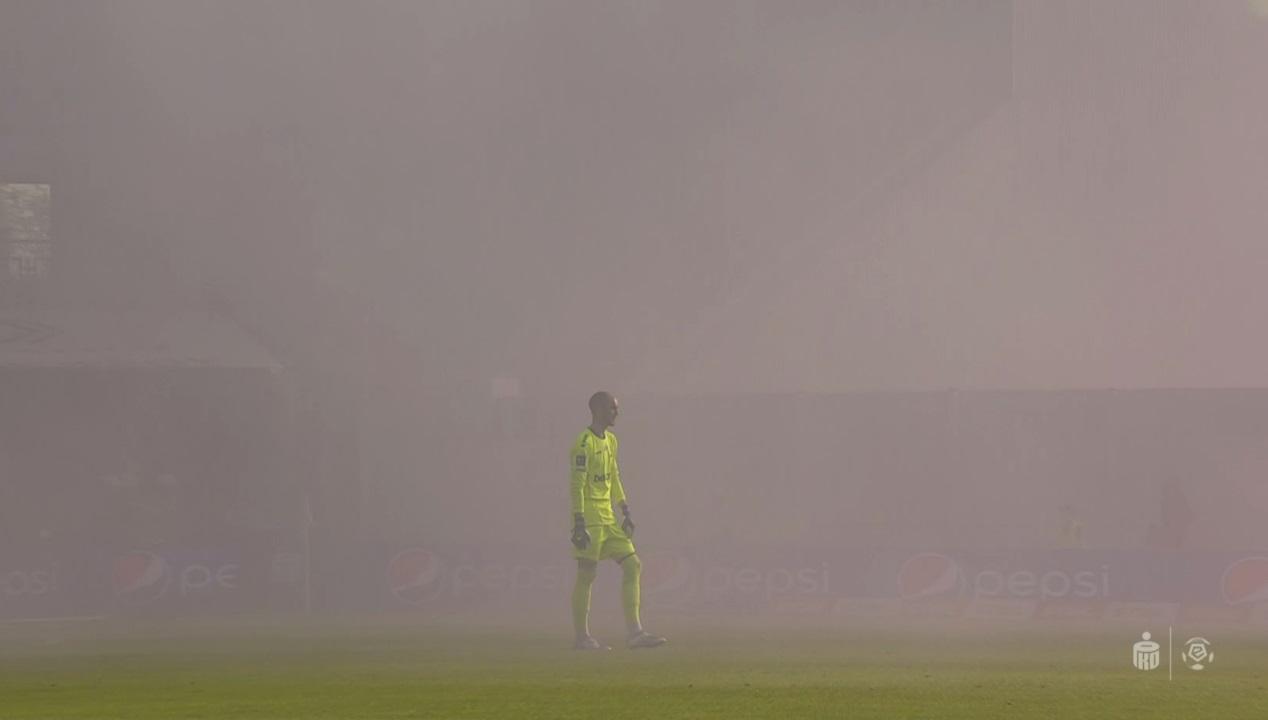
x: 304, y: 300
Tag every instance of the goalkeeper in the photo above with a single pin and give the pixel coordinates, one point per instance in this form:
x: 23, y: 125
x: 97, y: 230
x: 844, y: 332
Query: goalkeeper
x: 595, y: 487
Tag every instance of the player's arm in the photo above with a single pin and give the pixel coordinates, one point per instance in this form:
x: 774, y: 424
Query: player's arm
x: 618, y: 492
x: 577, y: 464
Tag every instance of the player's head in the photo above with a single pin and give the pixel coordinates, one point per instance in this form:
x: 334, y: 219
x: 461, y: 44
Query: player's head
x: 603, y: 409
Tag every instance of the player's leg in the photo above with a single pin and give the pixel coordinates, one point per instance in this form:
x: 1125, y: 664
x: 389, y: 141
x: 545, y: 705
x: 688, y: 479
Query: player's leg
x: 587, y: 570
x: 637, y: 637
x: 631, y: 594
x: 621, y: 548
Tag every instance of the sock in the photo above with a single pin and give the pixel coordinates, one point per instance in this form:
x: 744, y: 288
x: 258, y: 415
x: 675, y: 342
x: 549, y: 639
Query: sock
x: 581, y: 600
x: 631, y: 569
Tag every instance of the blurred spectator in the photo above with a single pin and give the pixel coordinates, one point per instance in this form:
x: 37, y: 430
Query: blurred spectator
x: 1070, y: 532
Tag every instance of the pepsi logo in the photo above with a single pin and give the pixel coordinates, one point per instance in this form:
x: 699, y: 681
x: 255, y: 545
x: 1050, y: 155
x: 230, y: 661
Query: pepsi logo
x: 140, y: 577
x: 1246, y: 581
x: 929, y: 575
x: 415, y: 576
x: 665, y: 572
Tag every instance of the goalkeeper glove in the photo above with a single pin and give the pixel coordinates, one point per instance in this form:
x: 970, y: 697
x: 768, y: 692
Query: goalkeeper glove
x: 580, y: 538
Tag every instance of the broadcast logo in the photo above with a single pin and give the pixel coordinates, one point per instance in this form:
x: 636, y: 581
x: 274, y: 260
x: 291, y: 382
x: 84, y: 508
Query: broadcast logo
x: 1146, y: 653
x: 1197, y: 653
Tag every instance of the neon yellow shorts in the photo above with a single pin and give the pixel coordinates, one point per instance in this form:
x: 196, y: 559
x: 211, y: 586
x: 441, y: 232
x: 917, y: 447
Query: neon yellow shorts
x: 606, y: 541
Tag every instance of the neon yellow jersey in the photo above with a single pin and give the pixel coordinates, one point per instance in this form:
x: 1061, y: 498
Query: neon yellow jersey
x: 596, y: 481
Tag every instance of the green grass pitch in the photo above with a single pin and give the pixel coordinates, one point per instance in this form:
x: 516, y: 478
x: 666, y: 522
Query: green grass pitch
x: 480, y: 668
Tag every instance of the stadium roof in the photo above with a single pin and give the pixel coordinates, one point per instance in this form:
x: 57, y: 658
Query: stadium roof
x: 97, y: 339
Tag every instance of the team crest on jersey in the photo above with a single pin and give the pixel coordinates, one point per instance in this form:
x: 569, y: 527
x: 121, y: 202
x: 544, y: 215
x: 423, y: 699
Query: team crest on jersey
x: 581, y: 461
